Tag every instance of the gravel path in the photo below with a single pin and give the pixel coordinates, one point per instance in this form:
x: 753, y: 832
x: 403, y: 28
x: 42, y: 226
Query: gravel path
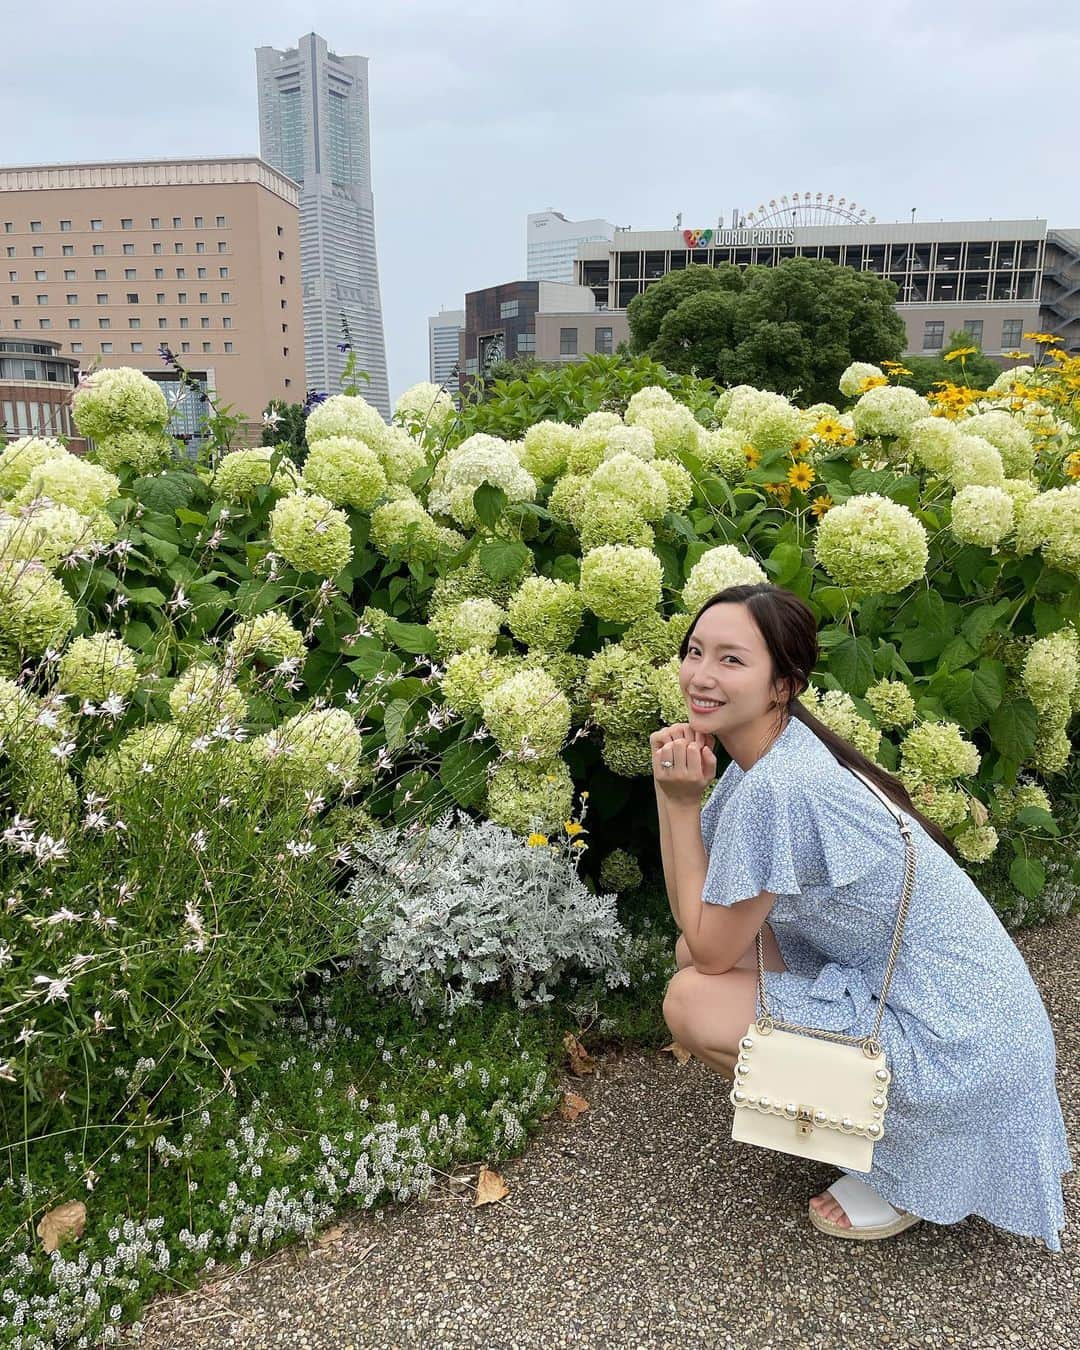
x: 641, y: 1224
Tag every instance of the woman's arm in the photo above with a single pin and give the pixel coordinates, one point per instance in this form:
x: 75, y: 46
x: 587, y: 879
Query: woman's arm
x: 667, y: 854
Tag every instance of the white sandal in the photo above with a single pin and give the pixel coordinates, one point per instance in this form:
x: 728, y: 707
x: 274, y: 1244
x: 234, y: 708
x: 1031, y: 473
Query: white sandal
x: 871, y: 1216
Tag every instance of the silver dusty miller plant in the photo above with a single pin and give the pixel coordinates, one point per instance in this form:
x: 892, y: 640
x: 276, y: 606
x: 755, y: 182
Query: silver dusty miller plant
x: 464, y: 904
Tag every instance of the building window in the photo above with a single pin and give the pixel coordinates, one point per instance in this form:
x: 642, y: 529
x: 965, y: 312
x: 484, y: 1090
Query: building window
x: 181, y: 297
x: 65, y: 225
x: 125, y: 223
x: 133, y: 297
x: 204, y: 322
x: 162, y: 321
x: 129, y: 248
x: 11, y: 253
x: 974, y: 327
x: 69, y: 274
x: 284, y: 304
x: 933, y: 335
x: 220, y: 222
x: 226, y: 322
x: 178, y: 248
x: 73, y: 299
x: 136, y: 347
x: 98, y: 250
x: 185, y: 346
x: 568, y: 342
x: 103, y: 298
x: 507, y: 310
x: 100, y: 274
x: 181, y: 274
x: 104, y: 322
x: 226, y: 297
x: 177, y: 222
x: 38, y: 250
x: 68, y: 250
x: 204, y: 297
x: 95, y: 224
x: 74, y: 323
x: 15, y: 300
x: 223, y: 272
x: 13, y: 276
x: 40, y: 276
x: 16, y: 323
x: 76, y: 347
x: 155, y: 222
x: 159, y: 296
x: 279, y: 229
x: 159, y: 273
x: 44, y: 323
x: 206, y: 347
x: 228, y: 346
x: 134, y: 323
x: 280, y: 256
x: 284, y: 351
x: 43, y: 299
x: 1012, y: 332
x: 183, y: 321
x: 129, y: 274
x: 287, y: 381
x: 200, y: 247
x: 106, y: 347
x: 157, y: 246
x: 281, y: 281
x: 35, y: 226
x: 198, y: 222
x: 526, y: 342
x: 222, y: 246
x: 10, y: 225
x: 200, y: 272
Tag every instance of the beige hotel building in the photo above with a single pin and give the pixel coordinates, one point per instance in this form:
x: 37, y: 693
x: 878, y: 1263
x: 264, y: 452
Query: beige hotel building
x: 111, y: 260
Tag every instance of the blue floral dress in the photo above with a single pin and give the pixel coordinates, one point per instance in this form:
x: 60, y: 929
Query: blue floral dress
x: 974, y: 1125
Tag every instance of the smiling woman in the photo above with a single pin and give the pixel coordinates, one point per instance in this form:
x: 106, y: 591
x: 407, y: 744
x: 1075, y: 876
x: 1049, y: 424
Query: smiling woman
x: 790, y: 836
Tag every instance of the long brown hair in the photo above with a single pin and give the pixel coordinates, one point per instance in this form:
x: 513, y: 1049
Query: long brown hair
x: 789, y: 628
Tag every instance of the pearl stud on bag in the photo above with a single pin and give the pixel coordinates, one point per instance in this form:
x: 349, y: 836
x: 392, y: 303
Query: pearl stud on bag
x: 811, y: 1092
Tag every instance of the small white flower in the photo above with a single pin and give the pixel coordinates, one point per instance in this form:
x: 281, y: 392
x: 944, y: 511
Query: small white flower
x: 57, y: 987
x: 64, y: 915
x: 198, y: 841
x: 114, y: 706
x: 300, y: 850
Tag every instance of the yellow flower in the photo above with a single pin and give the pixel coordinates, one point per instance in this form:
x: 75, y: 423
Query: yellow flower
x: 780, y: 490
x: 535, y: 840
x: 800, y: 448
x: 821, y: 504
x: 894, y: 368
x: 1046, y: 338
x: 753, y: 457
x: 1015, y: 356
x: 959, y: 352
x: 1072, y: 464
x: 833, y: 432
x: 872, y: 382
x: 800, y: 476
x: 579, y: 843
x: 572, y: 827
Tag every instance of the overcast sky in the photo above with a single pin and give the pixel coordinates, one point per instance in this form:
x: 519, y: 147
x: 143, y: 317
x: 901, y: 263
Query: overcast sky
x: 482, y: 112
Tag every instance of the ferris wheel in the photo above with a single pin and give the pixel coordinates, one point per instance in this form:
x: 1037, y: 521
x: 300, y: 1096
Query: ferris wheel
x: 809, y: 208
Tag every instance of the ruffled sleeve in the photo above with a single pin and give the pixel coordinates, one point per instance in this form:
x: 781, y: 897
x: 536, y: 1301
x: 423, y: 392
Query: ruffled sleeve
x: 786, y: 835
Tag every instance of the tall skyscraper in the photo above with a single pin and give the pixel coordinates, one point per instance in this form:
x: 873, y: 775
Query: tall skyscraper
x: 314, y: 127
x: 551, y: 243
x: 444, y: 329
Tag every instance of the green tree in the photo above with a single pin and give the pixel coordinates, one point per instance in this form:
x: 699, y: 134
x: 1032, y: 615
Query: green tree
x: 793, y: 328
x: 974, y: 368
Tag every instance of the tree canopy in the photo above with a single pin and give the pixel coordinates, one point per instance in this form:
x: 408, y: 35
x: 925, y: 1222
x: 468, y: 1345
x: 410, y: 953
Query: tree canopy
x: 793, y: 328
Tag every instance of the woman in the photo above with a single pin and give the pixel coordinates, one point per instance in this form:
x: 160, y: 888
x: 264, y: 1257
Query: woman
x: 792, y: 844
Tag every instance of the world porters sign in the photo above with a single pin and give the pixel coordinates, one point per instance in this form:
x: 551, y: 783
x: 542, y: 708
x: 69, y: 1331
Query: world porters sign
x: 738, y: 238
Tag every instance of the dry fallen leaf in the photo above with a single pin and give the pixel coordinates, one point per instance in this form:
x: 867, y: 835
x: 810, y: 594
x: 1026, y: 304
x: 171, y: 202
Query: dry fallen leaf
x: 572, y: 1105
x: 489, y: 1187
x: 581, y: 1061
x: 978, y: 811
x: 679, y: 1051
x: 60, y: 1223
x: 331, y: 1236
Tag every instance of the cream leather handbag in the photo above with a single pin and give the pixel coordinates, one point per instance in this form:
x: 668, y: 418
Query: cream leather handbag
x: 815, y: 1093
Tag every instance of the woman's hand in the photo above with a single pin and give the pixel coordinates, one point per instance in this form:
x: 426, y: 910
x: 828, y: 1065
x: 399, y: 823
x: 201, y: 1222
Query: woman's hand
x: 693, y: 762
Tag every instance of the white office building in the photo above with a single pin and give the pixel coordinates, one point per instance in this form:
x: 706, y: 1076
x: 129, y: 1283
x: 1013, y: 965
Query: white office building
x: 444, y: 331
x: 314, y: 127
x: 552, y: 242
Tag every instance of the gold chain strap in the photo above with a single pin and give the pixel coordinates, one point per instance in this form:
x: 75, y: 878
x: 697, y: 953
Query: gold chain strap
x: 870, y: 1044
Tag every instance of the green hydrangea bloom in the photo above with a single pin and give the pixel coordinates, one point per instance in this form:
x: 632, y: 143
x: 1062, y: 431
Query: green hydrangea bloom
x: 240, y: 472
x: 1022, y: 491
x: 545, y: 449
x: 632, y: 440
x: 345, y: 472
x: 269, y: 636
x: 622, y: 685
x: 655, y: 637
x: 316, y: 750
x: 977, y: 843
x: 203, y: 696
x: 947, y: 807
x: 854, y: 375
x: 586, y: 451
x: 475, y: 461
x: 472, y: 674
x: 669, y: 694
x: 606, y: 518
x: 620, y: 872
x: 892, y: 703
x: 159, y: 751
x: 528, y: 714
x: 1009, y: 802
x: 936, y: 752
x: 717, y: 569
x: 35, y: 613
x: 974, y: 462
x: 568, y: 497
x: 620, y: 582
x: 475, y: 622
x: 888, y: 410
x: 1051, y: 670
x: 680, y: 485
x: 311, y: 534
x: 50, y: 533
x: 96, y: 666
x: 627, y: 756
x: 836, y: 709
x: 70, y: 482
x: 346, y: 415
x: 635, y: 481
x: 1053, y: 748
x: 375, y: 619
x: 872, y: 544
x: 1051, y: 521
x: 470, y: 579
x: 675, y: 430
x: 982, y: 516
x: 530, y: 797
x: 544, y: 612
x: 721, y: 450
x: 568, y: 670
x: 425, y: 408
x: 1010, y: 437
x: 143, y: 451
x: 116, y: 400
x: 19, y: 457
x: 400, y: 455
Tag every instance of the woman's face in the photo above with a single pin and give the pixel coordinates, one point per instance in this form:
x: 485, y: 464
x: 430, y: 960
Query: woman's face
x: 727, y: 663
